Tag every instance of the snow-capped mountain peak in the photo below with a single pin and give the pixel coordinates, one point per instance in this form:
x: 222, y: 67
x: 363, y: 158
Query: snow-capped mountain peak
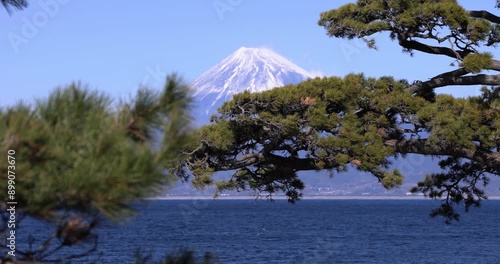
x: 252, y: 69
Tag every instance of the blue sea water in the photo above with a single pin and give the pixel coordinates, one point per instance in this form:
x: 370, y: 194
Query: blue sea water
x: 311, y: 231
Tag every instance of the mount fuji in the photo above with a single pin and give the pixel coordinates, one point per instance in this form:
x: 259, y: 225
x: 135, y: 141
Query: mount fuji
x: 252, y: 69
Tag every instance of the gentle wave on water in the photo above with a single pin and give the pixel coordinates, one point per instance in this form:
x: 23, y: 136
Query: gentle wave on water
x: 311, y: 231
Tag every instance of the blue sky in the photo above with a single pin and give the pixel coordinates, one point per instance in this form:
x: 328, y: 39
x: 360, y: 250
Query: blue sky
x: 115, y: 46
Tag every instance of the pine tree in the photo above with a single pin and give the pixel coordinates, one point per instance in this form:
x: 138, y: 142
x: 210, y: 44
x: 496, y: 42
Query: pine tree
x: 80, y: 156
x: 356, y: 121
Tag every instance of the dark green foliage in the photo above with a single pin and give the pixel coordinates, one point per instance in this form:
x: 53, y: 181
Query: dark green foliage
x: 476, y: 62
x: 435, y: 27
x: 82, y: 153
x: 406, y: 20
x: 79, y: 155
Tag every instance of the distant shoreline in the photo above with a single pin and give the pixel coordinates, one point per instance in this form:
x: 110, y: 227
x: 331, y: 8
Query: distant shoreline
x: 319, y: 197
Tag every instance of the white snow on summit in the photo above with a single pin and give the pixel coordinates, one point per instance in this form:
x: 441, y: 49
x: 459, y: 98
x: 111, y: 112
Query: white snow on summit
x: 252, y: 69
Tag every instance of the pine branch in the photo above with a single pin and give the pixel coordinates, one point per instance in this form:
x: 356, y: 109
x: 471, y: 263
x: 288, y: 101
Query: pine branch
x: 415, y: 45
x: 452, y: 78
x: 17, y: 4
x: 485, y: 15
